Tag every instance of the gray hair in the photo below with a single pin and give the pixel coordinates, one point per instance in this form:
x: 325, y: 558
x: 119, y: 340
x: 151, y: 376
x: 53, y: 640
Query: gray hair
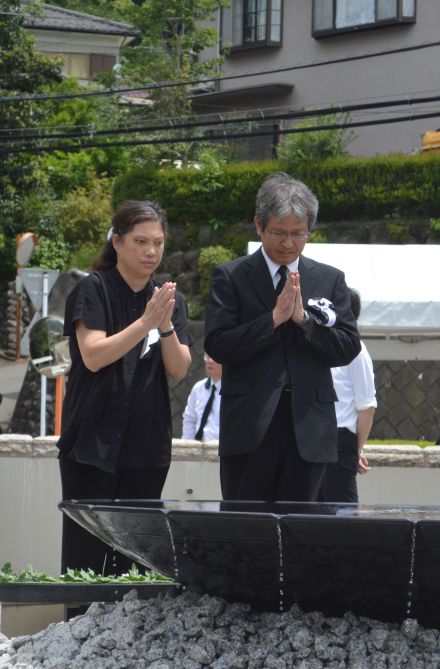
x: 281, y: 196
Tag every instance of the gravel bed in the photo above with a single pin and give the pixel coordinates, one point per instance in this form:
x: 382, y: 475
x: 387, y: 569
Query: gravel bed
x: 190, y: 631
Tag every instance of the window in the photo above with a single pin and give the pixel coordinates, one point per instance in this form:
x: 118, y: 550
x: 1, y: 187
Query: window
x: 101, y: 63
x: 334, y: 16
x: 75, y: 64
x: 256, y: 23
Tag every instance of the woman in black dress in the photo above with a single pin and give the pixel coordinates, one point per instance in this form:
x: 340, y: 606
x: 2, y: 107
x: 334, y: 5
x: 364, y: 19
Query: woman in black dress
x: 127, y: 333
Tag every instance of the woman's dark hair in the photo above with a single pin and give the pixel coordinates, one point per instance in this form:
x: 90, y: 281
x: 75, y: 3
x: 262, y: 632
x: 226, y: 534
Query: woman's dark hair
x: 355, y: 303
x: 126, y: 216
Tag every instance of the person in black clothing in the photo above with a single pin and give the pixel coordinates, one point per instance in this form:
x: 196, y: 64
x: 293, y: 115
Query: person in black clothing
x: 126, y: 334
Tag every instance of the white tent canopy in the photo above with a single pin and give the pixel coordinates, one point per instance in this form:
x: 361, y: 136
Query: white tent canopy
x: 399, y: 284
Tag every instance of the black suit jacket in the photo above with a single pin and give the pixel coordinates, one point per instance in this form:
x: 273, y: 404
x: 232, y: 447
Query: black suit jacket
x: 258, y: 360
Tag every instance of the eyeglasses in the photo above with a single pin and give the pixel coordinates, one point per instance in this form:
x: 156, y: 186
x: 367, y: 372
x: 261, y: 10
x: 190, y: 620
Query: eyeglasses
x: 284, y: 235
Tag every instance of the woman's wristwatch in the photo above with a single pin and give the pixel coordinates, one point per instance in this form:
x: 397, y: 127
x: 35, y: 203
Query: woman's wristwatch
x: 167, y: 333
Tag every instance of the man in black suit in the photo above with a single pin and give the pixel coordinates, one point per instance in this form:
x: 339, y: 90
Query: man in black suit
x: 277, y: 416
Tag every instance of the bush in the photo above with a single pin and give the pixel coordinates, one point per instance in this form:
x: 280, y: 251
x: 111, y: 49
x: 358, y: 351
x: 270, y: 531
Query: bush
x: 317, y: 145
x: 348, y: 189
x: 85, y: 214
x: 210, y: 257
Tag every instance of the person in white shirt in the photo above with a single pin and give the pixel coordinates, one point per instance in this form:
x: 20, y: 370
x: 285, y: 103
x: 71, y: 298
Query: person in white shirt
x: 201, y: 417
x: 354, y: 385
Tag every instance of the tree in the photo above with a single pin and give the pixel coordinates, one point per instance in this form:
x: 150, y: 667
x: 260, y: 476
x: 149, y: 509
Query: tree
x: 23, y: 72
x: 174, y: 33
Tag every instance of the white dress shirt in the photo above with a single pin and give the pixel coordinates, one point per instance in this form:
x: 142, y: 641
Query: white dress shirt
x: 273, y: 267
x: 196, y: 402
x: 354, y: 386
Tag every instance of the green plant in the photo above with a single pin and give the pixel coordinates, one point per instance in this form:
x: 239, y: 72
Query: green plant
x: 400, y: 442
x: 30, y: 575
x: 318, y: 236
x: 398, y: 232
x: 209, y: 257
x: 83, y: 256
x: 51, y: 254
x: 195, y: 309
x: 434, y: 227
x: 85, y: 213
x: 329, y: 142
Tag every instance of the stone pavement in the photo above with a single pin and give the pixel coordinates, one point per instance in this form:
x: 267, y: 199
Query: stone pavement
x: 12, y: 374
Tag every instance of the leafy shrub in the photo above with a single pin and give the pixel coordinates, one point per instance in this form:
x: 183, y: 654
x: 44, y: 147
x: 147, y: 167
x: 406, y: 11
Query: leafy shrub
x: 317, y: 145
x: 348, y: 188
x: 51, y: 254
x: 209, y: 257
x: 85, y: 214
x: 434, y: 227
x: 83, y: 256
x: 138, y: 184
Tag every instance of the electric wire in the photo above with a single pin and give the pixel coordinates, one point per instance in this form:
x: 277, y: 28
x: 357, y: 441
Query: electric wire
x: 68, y: 148
x: 229, y: 77
x: 335, y: 109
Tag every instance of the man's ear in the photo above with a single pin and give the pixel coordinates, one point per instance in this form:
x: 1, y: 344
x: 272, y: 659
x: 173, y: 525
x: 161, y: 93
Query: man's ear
x: 257, y: 225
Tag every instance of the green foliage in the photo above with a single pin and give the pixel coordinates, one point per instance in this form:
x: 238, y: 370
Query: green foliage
x: 51, y: 254
x: 211, y: 173
x: 30, y: 575
x: 23, y: 71
x: 370, y: 188
x: 318, y: 236
x: 82, y: 257
x: 434, y: 227
x: 209, y: 257
x: 348, y: 189
x: 138, y: 184
x: 195, y: 309
x: 400, y: 442
x: 296, y: 148
x: 188, y: 205
x: 84, y: 215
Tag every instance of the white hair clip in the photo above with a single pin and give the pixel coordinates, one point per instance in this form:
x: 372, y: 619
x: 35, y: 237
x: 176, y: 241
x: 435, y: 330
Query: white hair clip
x: 110, y: 234
x: 322, y: 311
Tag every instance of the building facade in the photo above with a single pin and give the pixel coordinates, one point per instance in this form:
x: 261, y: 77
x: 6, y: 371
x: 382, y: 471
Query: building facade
x: 287, y: 56
x: 87, y: 45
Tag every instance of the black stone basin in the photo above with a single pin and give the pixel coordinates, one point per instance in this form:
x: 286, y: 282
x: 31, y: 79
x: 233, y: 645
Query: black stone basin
x: 376, y: 561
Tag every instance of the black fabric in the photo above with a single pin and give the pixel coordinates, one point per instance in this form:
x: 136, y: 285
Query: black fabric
x: 282, y: 271
x: 205, y: 414
x: 257, y: 362
x: 339, y: 483
x: 274, y: 470
x: 119, y: 416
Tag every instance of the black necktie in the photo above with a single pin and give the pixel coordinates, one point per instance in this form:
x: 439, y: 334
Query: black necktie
x: 282, y: 271
x: 205, y: 414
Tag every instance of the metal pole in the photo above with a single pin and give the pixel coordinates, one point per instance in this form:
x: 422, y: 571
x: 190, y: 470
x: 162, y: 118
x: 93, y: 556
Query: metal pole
x: 59, y: 391
x: 43, y: 401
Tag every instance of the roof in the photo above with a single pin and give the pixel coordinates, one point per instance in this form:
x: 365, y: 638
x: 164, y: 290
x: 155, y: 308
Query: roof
x: 398, y: 284
x: 66, y: 20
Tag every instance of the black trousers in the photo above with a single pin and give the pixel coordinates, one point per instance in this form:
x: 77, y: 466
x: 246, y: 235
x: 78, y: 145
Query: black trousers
x: 81, y: 549
x: 274, y: 471
x: 339, y: 483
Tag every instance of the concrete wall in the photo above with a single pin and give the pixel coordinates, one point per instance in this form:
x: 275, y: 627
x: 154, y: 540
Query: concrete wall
x: 30, y: 522
x: 389, y: 76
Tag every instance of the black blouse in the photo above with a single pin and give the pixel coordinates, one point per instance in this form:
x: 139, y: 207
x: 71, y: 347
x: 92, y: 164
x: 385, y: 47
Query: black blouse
x: 118, y: 417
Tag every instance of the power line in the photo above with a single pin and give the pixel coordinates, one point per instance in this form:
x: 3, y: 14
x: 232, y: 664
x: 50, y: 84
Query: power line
x: 211, y: 137
x: 334, y: 109
x: 204, y: 80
